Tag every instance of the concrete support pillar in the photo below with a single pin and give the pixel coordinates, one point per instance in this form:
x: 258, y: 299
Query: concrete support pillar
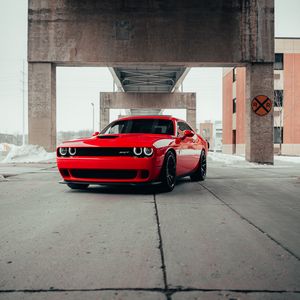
x: 104, y: 109
x: 42, y: 105
x: 259, y: 129
x: 147, y: 100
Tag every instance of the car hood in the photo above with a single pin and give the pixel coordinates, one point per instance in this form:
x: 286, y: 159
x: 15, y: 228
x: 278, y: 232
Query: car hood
x: 122, y: 140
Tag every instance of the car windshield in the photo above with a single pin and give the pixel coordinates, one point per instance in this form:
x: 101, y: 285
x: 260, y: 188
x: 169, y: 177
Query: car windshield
x: 155, y: 126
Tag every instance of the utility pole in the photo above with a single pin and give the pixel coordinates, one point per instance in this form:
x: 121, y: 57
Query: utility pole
x: 93, y: 116
x: 23, y: 106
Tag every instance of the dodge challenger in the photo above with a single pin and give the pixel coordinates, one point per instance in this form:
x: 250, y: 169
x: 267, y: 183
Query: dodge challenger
x: 135, y: 150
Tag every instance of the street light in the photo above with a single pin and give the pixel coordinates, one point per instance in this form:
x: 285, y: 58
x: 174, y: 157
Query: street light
x: 93, y: 116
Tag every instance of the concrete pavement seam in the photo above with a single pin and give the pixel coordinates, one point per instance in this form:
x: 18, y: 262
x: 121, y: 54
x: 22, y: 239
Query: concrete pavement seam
x: 161, y: 249
x: 169, y: 291
x: 252, y: 224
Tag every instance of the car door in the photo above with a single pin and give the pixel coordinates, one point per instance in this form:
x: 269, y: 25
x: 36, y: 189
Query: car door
x: 187, y: 154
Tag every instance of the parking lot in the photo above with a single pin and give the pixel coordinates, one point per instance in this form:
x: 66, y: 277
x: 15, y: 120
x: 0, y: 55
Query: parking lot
x: 234, y: 236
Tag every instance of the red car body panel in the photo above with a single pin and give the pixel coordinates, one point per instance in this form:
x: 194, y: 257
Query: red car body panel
x: 143, y: 169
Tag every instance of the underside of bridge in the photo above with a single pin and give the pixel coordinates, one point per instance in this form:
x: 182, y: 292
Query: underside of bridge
x: 145, y: 79
x: 149, y: 46
x: 149, y: 79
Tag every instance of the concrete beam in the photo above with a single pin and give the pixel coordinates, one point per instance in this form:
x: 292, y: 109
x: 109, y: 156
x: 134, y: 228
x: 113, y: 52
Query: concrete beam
x: 259, y: 129
x: 180, y: 80
x: 147, y: 100
x: 42, y: 105
x: 187, y: 33
x: 116, y: 79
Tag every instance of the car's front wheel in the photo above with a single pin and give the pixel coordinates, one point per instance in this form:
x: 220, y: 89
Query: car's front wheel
x: 77, y: 186
x: 168, y: 178
x: 200, y: 173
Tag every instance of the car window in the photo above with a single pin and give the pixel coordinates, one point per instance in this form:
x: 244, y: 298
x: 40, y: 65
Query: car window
x: 155, y: 126
x: 181, y: 127
x: 116, y: 128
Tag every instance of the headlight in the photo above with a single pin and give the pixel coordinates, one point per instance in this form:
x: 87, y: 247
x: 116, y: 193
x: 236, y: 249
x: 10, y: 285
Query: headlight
x: 63, y: 151
x: 72, y: 151
x: 148, y: 151
x: 137, y: 151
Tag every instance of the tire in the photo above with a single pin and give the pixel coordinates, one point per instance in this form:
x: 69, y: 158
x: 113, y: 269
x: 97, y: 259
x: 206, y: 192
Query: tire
x: 200, y: 173
x: 77, y: 186
x: 168, y: 175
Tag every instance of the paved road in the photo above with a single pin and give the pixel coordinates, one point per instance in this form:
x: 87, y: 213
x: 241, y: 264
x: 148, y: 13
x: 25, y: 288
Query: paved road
x: 235, y: 236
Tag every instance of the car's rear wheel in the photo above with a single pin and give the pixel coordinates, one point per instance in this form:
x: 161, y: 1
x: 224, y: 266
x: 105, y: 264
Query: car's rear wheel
x: 77, y: 186
x: 200, y: 173
x: 168, y: 176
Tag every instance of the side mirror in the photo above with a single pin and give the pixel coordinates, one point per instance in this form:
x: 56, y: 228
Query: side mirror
x: 188, y: 133
x: 96, y: 133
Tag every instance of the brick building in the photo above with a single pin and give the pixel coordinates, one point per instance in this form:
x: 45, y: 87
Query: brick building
x: 286, y: 101
x: 212, y: 132
x: 206, y: 131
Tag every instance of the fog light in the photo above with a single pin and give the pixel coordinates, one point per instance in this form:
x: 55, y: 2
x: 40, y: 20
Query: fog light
x: 63, y: 151
x: 64, y: 172
x: 137, y: 151
x: 144, y: 174
x: 148, y: 151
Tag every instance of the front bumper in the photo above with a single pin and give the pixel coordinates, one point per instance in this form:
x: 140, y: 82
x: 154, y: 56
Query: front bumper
x: 93, y: 170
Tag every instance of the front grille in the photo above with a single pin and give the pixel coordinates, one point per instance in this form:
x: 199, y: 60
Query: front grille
x: 103, y: 174
x: 97, y: 151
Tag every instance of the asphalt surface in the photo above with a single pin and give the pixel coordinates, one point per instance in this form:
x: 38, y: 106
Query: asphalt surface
x: 234, y: 236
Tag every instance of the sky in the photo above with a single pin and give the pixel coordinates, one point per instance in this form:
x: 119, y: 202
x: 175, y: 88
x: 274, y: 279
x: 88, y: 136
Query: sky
x: 77, y: 88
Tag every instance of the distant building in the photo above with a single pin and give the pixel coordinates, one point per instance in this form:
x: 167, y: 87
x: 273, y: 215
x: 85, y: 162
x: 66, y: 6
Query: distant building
x: 8, y: 138
x: 212, y: 132
x: 218, y: 132
x: 15, y: 139
x: 286, y: 101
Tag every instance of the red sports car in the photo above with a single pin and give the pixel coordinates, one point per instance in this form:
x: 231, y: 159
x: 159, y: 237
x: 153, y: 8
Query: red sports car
x: 132, y: 150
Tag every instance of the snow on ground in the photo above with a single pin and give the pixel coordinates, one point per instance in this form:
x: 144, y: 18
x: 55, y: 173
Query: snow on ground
x: 239, y: 161
x: 292, y: 159
x: 27, y: 154
x: 234, y: 161
x: 225, y: 158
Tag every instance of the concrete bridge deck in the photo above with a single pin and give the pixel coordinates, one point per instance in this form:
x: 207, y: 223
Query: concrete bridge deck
x: 235, y: 236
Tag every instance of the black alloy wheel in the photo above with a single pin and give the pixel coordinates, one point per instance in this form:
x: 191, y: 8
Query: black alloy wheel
x: 200, y: 173
x: 77, y: 186
x: 169, y: 172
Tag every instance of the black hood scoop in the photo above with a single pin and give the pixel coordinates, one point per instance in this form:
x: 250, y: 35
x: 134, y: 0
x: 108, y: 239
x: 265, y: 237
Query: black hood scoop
x: 106, y: 136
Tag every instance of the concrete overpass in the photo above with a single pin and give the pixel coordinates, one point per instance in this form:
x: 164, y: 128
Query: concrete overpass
x: 149, y: 79
x: 146, y: 79
x: 129, y: 35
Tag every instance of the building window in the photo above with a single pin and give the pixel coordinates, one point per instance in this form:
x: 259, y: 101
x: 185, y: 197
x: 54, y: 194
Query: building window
x: 278, y: 65
x: 234, y: 75
x: 278, y: 98
x: 278, y: 135
x: 234, y: 105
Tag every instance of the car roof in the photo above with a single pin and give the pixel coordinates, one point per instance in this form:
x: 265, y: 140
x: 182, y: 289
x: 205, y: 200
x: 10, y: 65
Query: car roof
x: 149, y: 117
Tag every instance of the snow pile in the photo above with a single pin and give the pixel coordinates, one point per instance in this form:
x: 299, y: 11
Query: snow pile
x: 234, y: 161
x: 28, y: 154
x: 237, y: 161
x: 225, y: 158
x: 291, y: 159
x: 5, y: 147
